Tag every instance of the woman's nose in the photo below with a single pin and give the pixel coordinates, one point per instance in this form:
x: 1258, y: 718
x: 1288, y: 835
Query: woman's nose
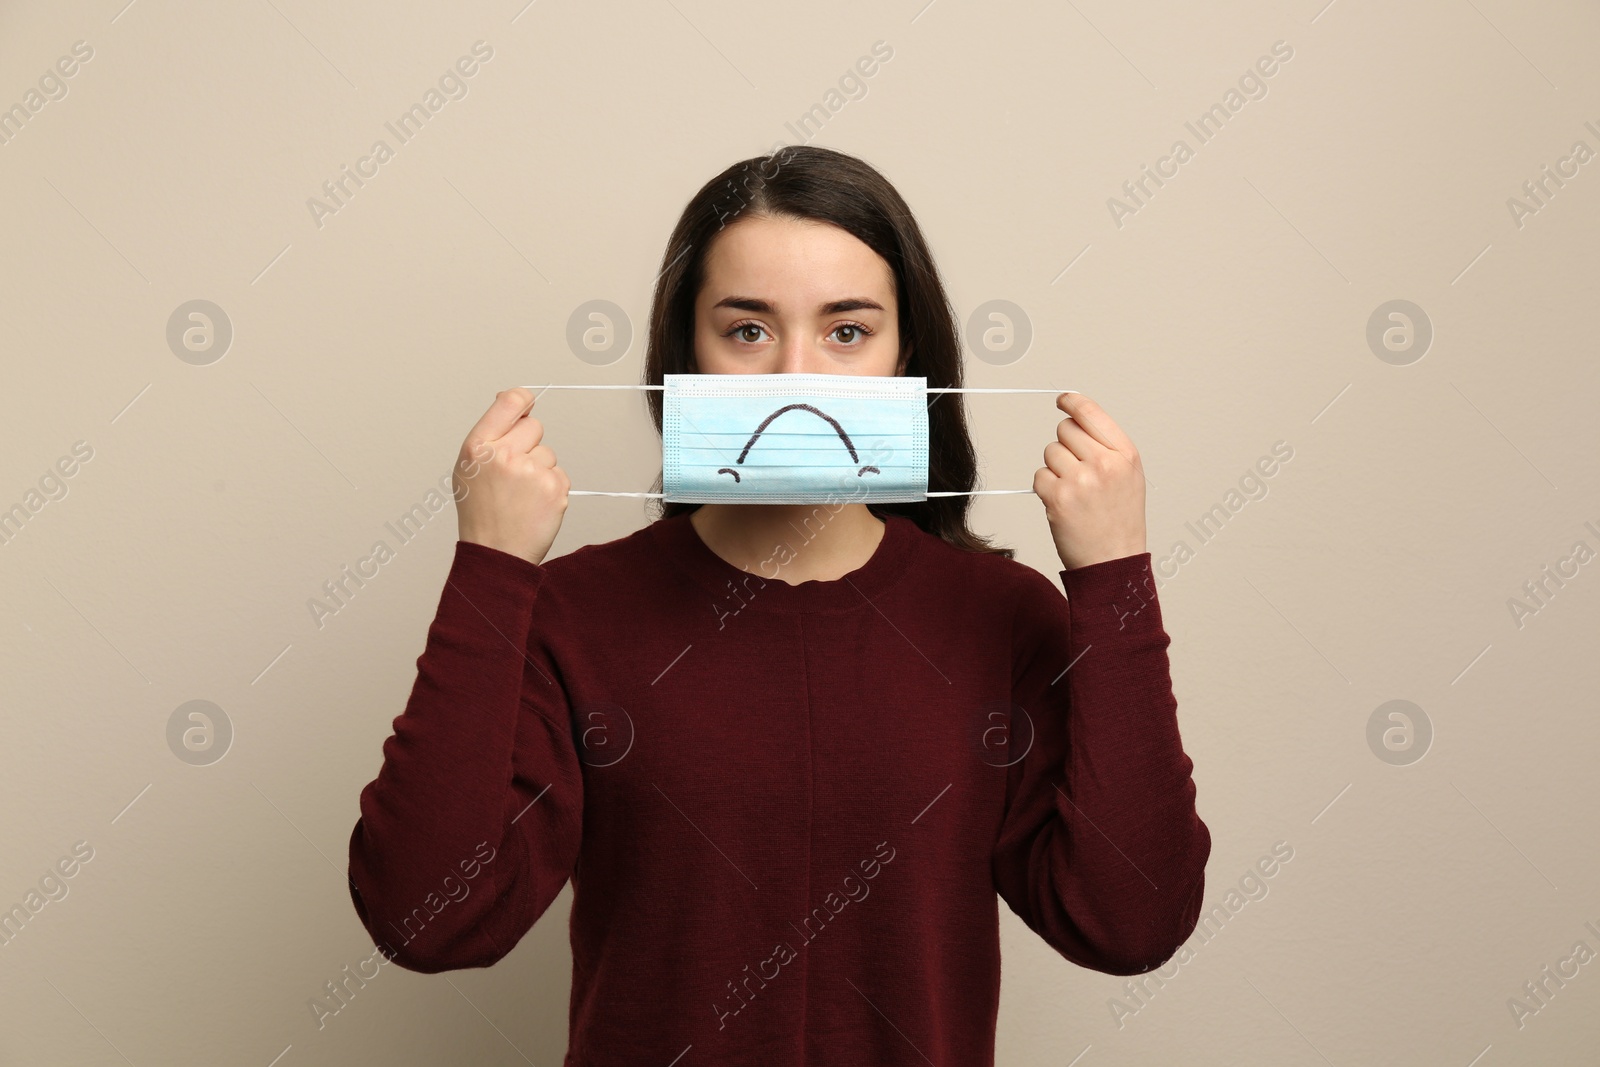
x: 798, y: 355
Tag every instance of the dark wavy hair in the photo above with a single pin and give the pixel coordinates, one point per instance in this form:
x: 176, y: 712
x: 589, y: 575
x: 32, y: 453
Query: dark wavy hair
x: 808, y: 182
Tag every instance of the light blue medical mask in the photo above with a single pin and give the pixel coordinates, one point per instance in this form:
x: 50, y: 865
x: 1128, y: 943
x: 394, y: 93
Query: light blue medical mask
x: 794, y: 438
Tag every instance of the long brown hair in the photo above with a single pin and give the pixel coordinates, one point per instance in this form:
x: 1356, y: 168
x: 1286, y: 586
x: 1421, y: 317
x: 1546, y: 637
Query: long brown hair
x: 808, y: 182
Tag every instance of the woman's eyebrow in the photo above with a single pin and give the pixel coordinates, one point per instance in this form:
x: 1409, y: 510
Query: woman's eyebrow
x: 755, y: 304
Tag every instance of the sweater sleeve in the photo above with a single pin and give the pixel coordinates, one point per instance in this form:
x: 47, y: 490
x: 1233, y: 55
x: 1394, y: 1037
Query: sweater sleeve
x: 473, y: 823
x: 1101, y: 851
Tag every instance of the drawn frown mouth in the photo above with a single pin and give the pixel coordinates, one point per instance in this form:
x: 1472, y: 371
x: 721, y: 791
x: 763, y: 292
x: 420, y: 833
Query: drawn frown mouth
x: 831, y: 421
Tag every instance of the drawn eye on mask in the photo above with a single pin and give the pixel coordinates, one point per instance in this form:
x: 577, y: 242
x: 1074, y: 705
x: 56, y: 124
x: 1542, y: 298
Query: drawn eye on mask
x: 838, y: 430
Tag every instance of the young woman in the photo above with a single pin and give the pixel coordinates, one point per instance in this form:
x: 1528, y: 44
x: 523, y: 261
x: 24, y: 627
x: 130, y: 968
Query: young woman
x: 790, y: 756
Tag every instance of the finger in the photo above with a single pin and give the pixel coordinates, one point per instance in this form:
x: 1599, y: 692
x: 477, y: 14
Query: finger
x: 522, y: 437
x: 1060, y: 460
x: 509, y: 406
x: 543, y: 456
x: 1044, y: 480
x: 1093, y: 418
x: 1078, y: 440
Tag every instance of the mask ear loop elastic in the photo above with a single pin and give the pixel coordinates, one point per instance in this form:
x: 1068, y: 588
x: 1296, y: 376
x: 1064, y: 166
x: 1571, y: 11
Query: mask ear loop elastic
x: 937, y: 389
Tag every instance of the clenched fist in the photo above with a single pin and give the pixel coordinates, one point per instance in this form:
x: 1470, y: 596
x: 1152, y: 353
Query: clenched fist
x: 1092, y: 486
x: 510, y: 495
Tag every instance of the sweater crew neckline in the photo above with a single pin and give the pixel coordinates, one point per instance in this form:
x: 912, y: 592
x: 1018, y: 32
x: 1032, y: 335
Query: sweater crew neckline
x: 762, y: 588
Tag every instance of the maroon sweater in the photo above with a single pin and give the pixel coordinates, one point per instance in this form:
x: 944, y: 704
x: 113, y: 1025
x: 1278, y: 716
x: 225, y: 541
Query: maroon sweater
x: 786, y: 810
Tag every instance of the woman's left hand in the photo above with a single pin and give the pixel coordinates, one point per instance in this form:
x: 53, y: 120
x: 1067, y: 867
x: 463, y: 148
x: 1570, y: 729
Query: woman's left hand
x: 1092, y: 486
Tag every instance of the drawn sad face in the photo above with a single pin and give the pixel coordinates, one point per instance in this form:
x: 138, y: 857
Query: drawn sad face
x: 839, y: 431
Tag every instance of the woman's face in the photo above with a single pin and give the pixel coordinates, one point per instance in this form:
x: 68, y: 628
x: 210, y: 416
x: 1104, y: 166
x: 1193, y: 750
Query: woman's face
x: 795, y: 296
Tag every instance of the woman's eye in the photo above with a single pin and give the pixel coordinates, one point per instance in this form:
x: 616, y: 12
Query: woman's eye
x: 742, y: 331
x: 854, y: 330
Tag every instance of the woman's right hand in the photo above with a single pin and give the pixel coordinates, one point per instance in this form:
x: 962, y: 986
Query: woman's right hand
x: 510, y: 495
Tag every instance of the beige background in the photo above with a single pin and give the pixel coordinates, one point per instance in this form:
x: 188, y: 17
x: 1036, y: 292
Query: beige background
x: 1229, y: 313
